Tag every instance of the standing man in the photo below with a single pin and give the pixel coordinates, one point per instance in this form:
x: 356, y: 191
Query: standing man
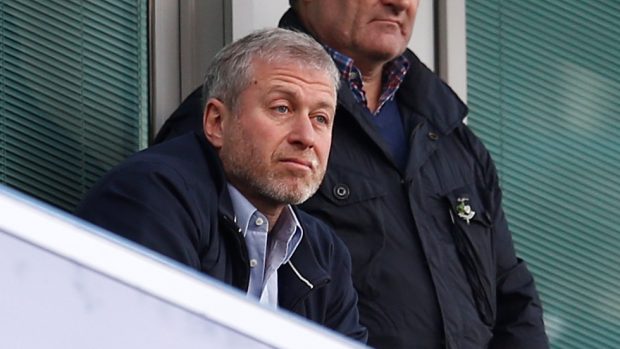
x: 219, y: 200
x: 411, y: 190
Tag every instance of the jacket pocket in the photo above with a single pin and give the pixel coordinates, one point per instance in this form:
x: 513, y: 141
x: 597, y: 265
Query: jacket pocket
x: 351, y: 203
x: 473, y: 239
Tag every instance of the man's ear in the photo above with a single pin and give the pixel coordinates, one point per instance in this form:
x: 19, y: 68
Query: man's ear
x: 212, y: 121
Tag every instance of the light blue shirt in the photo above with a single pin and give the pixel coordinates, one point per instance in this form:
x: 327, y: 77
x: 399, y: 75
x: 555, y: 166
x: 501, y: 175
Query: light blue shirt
x: 266, y: 252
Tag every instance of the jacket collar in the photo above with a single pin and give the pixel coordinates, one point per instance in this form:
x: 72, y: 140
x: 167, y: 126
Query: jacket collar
x: 303, y: 273
x: 425, y: 93
x: 217, y: 176
x: 229, y: 230
x: 290, y: 20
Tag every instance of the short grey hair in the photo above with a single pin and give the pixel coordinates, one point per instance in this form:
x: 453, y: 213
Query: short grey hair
x: 231, y: 70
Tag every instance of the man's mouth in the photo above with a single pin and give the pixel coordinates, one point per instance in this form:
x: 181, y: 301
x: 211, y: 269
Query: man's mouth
x: 301, y: 163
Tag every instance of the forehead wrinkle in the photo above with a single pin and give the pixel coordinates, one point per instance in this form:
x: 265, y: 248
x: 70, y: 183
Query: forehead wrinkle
x: 287, y: 89
x: 293, y: 86
x: 296, y: 93
x: 296, y: 72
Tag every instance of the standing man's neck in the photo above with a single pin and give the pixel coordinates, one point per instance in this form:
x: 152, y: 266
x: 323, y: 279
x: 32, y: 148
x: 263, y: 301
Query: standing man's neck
x: 372, y: 77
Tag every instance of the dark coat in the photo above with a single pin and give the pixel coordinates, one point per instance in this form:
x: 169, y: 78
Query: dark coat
x: 173, y: 199
x: 427, y: 276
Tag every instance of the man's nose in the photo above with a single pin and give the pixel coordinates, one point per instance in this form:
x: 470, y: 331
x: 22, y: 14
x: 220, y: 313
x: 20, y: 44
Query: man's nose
x: 399, y: 5
x: 302, y: 132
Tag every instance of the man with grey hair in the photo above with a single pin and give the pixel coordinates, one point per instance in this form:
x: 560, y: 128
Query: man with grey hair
x: 220, y: 200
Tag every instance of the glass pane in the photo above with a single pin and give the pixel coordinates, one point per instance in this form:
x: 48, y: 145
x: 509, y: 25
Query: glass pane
x: 73, y: 93
x: 544, y: 94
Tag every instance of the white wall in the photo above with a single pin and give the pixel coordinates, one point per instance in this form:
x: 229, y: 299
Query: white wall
x: 453, y: 47
x: 164, y: 60
x: 249, y: 15
x: 423, y: 40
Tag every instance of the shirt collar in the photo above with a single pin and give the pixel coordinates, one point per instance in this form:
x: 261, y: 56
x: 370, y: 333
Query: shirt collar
x: 287, y: 229
x: 242, y: 208
x: 343, y: 62
x: 393, y: 75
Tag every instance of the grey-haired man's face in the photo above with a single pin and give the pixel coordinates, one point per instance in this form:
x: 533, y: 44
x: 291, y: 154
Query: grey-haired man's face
x: 275, y: 145
x: 365, y: 30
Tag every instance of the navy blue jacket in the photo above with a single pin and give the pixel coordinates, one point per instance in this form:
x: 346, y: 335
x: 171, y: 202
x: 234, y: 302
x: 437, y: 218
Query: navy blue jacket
x: 427, y: 275
x: 173, y: 199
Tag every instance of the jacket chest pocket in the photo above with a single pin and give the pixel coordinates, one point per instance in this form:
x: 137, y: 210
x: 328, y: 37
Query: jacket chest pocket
x: 468, y: 226
x: 352, y: 203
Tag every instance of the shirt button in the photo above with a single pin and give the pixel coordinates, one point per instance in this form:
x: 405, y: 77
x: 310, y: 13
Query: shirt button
x: 259, y: 221
x: 253, y: 263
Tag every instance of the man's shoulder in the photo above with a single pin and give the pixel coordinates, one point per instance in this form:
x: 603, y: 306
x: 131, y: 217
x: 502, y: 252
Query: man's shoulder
x: 187, y: 148
x: 155, y: 177
x: 183, y: 159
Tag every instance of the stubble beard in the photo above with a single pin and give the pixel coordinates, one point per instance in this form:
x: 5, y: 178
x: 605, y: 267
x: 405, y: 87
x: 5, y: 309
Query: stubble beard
x: 244, y: 167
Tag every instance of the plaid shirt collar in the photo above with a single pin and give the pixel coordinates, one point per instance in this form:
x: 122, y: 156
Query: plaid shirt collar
x: 393, y: 75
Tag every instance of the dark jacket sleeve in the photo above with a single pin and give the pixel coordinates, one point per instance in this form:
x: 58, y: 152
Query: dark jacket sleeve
x: 146, y: 203
x: 519, y: 319
x: 186, y: 118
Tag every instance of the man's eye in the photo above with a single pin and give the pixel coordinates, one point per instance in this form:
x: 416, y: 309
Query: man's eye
x: 321, y: 119
x: 282, y: 109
